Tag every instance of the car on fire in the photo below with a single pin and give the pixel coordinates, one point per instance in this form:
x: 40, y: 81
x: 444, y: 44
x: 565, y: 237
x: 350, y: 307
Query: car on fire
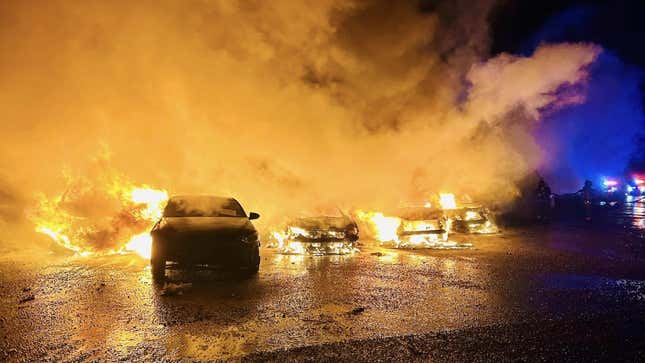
x: 205, y: 230
x: 473, y: 219
x: 421, y: 227
x: 333, y: 232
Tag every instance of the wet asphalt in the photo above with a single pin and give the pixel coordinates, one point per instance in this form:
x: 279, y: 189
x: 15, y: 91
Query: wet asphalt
x: 556, y: 292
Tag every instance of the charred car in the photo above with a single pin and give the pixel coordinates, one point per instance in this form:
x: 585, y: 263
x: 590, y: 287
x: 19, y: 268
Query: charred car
x: 331, y: 233
x: 205, y: 230
x: 421, y: 227
x: 474, y: 219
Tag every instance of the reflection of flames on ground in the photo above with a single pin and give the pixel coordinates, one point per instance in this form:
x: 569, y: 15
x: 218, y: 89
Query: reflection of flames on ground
x: 109, y: 217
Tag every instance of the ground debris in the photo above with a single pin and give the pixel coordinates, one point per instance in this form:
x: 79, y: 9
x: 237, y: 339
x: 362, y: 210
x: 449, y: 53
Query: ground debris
x: 29, y: 297
x: 26, y: 289
x: 411, y: 347
x: 175, y: 289
x: 322, y: 319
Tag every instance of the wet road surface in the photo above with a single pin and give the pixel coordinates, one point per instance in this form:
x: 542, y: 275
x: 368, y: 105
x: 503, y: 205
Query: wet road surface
x: 527, y: 294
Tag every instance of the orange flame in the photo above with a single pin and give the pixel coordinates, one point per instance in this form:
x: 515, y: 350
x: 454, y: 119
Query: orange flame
x: 385, y: 228
x: 138, y: 207
x: 447, y: 201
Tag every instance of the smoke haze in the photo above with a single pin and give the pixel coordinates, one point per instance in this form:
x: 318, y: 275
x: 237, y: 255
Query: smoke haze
x: 282, y: 104
x: 595, y: 139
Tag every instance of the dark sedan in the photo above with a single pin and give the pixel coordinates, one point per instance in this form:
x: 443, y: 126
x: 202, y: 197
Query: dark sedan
x: 205, y: 230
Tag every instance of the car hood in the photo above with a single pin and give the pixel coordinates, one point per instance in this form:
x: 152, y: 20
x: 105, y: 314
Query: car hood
x: 321, y: 223
x: 206, y: 224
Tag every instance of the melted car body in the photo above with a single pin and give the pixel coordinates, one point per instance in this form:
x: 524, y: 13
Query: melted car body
x: 473, y: 219
x: 327, y: 234
x: 205, y: 230
x: 421, y: 227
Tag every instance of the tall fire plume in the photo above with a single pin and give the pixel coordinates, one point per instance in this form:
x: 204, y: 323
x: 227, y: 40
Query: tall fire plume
x: 280, y: 104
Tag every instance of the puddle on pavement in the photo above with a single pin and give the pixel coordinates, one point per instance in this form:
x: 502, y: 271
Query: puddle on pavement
x: 633, y: 288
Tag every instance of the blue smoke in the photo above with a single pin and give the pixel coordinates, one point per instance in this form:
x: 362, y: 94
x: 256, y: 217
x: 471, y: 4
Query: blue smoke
x: 593, y: 140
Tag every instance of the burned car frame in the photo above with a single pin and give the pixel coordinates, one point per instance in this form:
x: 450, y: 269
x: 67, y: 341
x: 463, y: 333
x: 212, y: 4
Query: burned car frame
x: 318, y: 235
x: 472, y: 219
x: 421, y: 227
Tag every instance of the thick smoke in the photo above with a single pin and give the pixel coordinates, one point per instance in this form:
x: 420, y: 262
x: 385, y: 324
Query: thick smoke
x: 283, y: 104
x: 595, y: 139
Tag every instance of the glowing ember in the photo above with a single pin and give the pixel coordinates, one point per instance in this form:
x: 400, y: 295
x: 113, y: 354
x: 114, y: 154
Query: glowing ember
x: 471, y: 215
x: 447, y: 201
x: 288, y: 243
x: 475, y: 220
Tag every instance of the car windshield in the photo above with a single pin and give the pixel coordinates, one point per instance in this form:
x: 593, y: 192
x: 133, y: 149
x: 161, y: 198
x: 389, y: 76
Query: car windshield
x: 203, y: 206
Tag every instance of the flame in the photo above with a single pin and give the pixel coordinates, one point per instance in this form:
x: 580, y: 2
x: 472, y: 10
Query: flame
x: 298, y: 231
x: 132, y: 211
x: 292, y: 247
x: 280, y: 237
x: 425, y: 240
x: 153, y: 199
x: 140, y: 244
x: 58, y: 237
x: 384, y: 228
x: 288, y: 244
x: 471, y: 215
x: 447, y: 201
x: 413, y: 226
x: 489, y: 227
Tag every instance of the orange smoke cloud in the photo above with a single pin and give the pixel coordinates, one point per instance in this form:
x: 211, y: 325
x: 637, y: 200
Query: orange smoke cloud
x: 281, y: 104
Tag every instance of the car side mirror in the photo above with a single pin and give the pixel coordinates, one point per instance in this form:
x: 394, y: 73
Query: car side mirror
x: 253, y: 216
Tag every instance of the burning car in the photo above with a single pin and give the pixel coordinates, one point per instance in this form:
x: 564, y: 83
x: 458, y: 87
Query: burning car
x: 421, y: 227
x: 408, y: 227
x: 473, y: 219
x: 332, y: 233
x: 205, y: 230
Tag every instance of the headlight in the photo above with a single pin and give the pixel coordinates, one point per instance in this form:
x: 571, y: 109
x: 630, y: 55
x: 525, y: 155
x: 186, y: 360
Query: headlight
x: 250, y: 238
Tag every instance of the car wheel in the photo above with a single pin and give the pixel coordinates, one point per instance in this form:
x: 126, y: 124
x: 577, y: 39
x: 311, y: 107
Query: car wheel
x: 158, y: 269
x: 254, y: 263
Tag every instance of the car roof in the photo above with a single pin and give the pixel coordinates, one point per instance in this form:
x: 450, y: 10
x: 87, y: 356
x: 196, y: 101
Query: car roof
x: 189, y: 197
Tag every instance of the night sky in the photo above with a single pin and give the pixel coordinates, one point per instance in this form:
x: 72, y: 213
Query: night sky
x: 617, y: 25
